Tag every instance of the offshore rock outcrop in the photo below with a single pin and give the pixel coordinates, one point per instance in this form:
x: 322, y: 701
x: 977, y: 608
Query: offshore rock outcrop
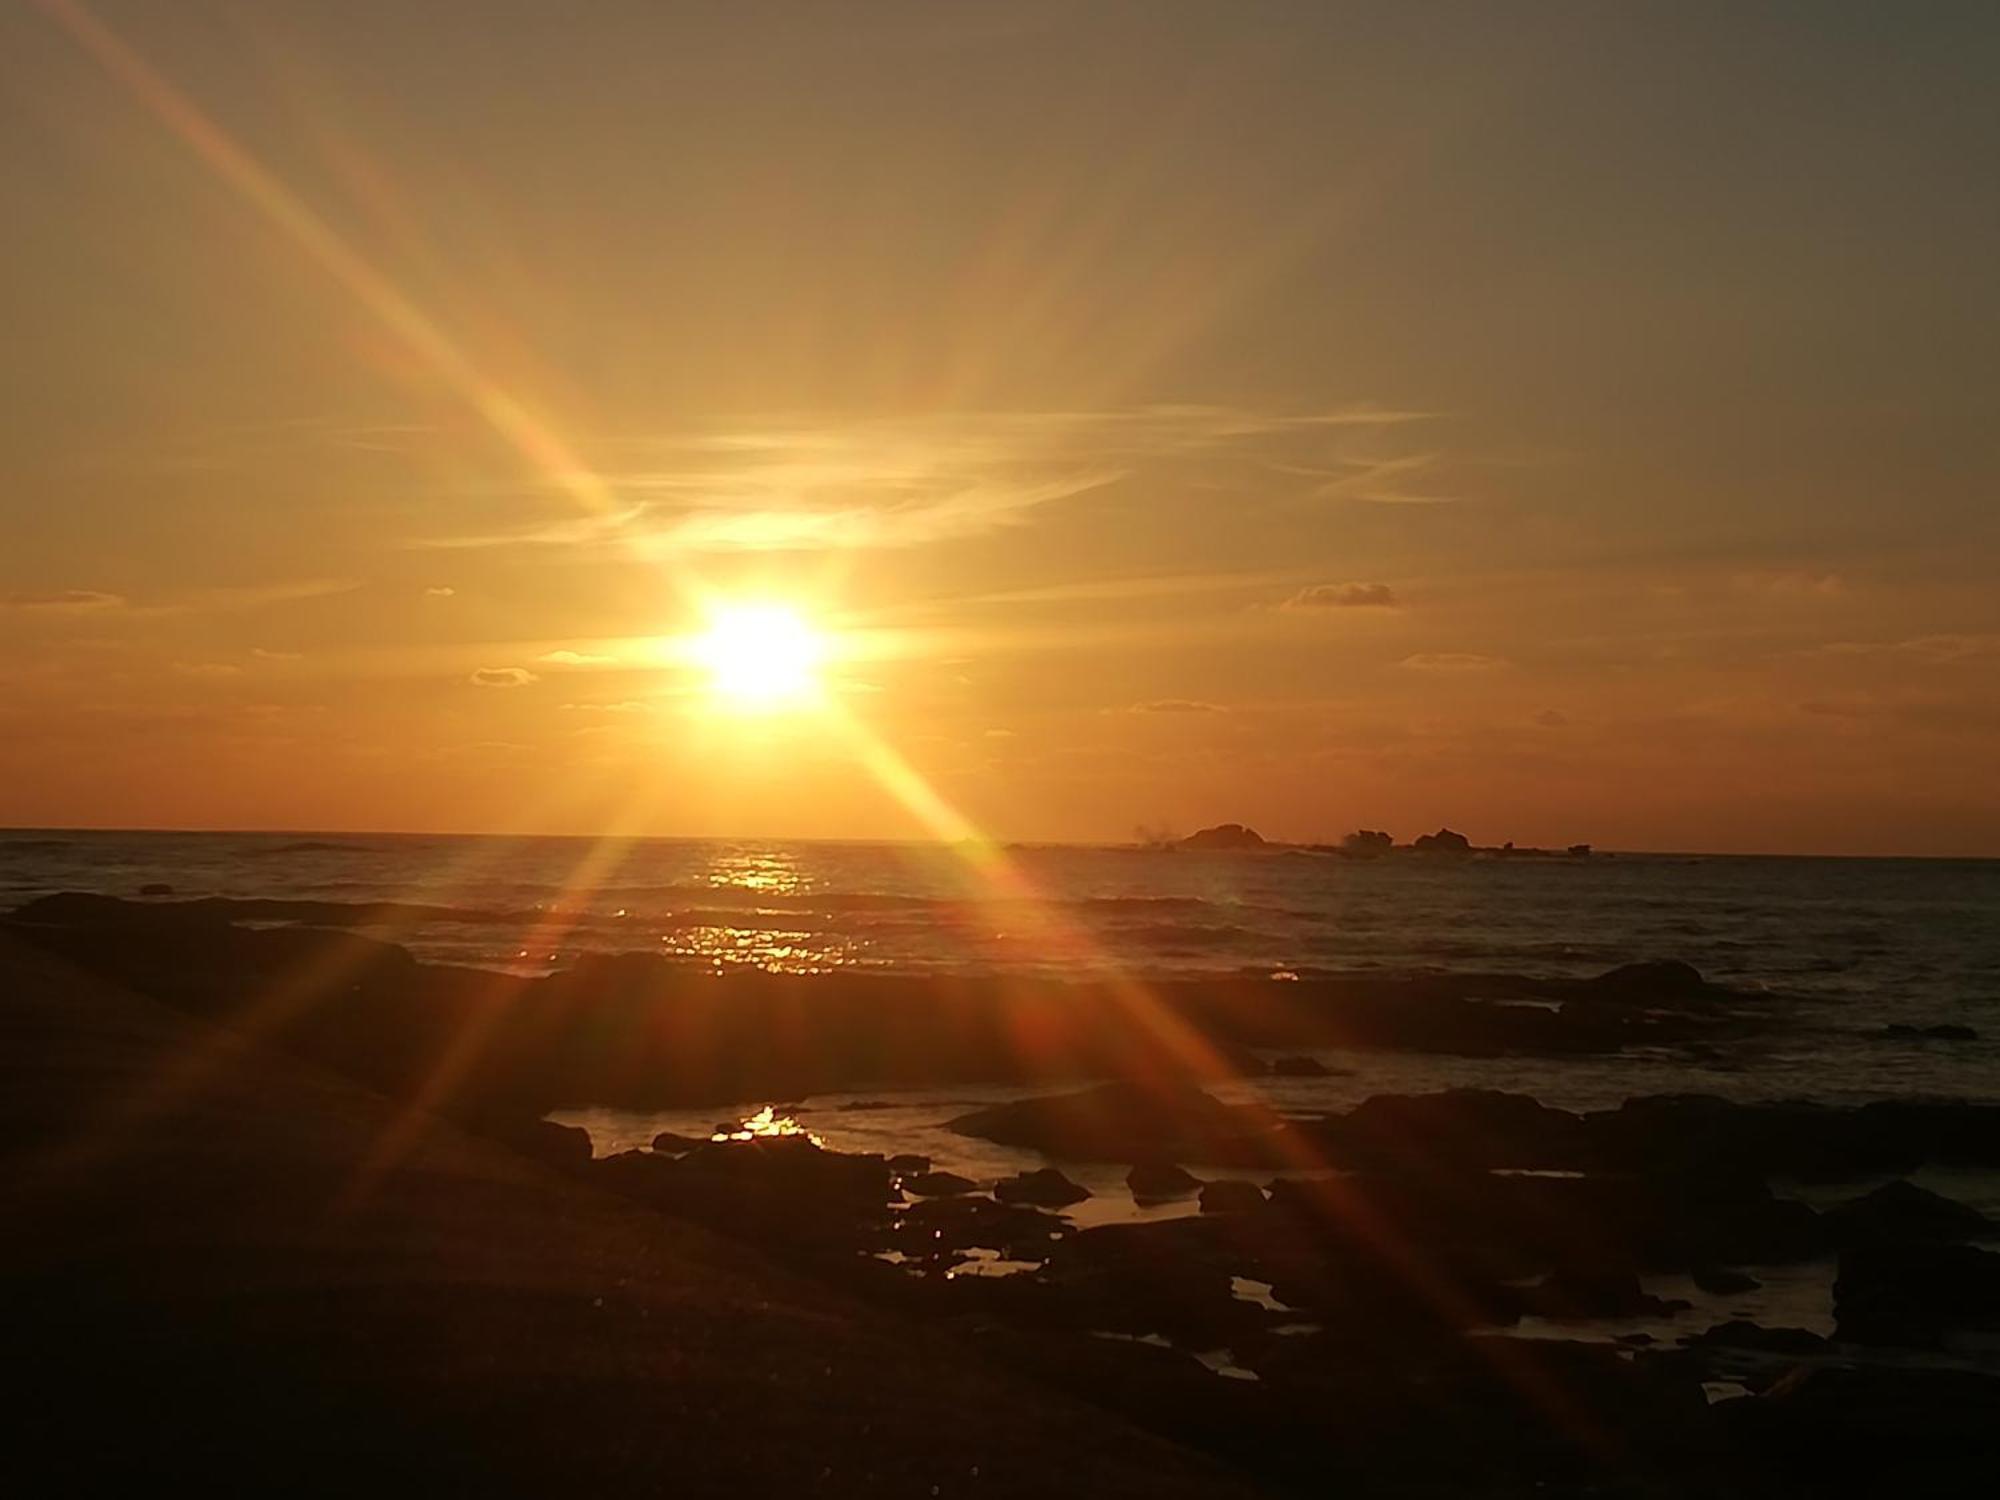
x: 1224, y: 836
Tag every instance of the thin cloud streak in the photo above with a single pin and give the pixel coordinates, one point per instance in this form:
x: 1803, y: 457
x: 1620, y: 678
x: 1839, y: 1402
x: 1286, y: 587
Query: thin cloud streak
x: 882, y: 484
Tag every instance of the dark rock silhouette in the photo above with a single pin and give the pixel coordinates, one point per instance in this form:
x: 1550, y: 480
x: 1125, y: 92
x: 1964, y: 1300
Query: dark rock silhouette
x: 1738, y: 1333
x: 1299, y: 1066
x: 1155, y: 1182
x: 938, y: 1185
x: 1228, y: 1195
x: 1131, y: 1122
x: 1444, y: 841
x: 1652, y: 981
x: 1044, y: 1188
x: 1224, y: 836
x: 1721, y: 1281
x: 1367, y: 843
x: 1572, y: 1294
x: 1901, y: 1211
x: 1948, y: 1031
x: 1914, y: 1295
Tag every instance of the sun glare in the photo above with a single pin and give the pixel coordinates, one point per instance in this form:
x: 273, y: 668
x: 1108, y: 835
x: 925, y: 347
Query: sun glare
x: 760, y: 656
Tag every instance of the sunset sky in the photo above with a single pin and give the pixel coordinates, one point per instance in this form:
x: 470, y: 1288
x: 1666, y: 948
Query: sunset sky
x: 1561, y: 421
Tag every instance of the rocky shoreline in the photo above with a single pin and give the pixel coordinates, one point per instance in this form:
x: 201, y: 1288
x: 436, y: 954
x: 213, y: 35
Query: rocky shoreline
x: 641, y: 1031
x: 1346, y: 1303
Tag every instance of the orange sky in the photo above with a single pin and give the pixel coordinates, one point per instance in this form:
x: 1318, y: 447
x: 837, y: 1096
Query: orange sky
x: 1564, y: 422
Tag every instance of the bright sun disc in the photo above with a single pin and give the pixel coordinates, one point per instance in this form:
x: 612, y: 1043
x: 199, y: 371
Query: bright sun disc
x: 760, y: 655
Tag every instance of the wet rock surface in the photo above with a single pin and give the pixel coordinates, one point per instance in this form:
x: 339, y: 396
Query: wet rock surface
x: 1045, y: 1188
x: 1156, y: 1182
x: 1920, y: 1296
x: 1408, y: 1245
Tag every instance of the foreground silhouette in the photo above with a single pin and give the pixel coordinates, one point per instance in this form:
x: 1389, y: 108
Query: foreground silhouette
x: 208, y: 1284
x: 371, y: 1292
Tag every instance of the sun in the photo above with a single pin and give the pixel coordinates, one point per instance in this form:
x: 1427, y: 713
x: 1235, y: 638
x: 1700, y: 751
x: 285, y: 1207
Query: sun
x: 760, y: 656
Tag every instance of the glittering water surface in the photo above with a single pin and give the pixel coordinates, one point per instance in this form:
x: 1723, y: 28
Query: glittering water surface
x: 1860, y: 942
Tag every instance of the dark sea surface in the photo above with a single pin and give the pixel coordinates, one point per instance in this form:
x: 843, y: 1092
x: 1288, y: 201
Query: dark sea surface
x: 1861, y: 943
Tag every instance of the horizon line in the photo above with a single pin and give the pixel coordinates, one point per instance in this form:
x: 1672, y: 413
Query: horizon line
x: 1605, y: 852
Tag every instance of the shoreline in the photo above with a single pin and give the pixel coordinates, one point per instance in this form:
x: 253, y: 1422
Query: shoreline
x: 1326, y: 1293
x: 637, y: 1029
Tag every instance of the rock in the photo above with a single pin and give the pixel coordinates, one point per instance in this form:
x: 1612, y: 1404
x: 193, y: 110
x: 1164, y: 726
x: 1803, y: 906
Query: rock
x: 1720, y: 1281
x: 1948, y: 1031
x: 938, y: 1230
x: 1740, y: 1334
x: 156, y: 888
x: 1479, y: 1128
x: 1157, y: 1181
x: 1045, y: 1188
x: 1571, y: 1294
x: 1131, y: 1121
x: 1651, y: 982
x: 673, y: 1143
x: 1299, y: 1067
x: 1903, y: 1212
x: 1367, y: 843
x: 938, y: 1185
x: 1224, y: 836
x: 1914, y: 1294
x: 1444, y: 841
x: 909, y: 1164
x: 1835, y: 1430
x: 1229, y: 1195
x: 564, y: 1147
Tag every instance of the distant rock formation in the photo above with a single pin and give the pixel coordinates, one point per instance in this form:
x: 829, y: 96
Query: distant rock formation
x: 1367, y: 842
x: 1224, y: 836
x: 1444, y: 841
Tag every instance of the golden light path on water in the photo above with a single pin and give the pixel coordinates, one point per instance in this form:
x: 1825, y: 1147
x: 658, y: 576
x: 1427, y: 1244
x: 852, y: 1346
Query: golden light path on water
x: 554, y: 461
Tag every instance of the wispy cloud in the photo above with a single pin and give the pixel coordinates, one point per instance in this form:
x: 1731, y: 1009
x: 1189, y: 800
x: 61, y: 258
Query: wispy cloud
x: 502, y: 677
x: 1176, y: 706
x: 799, y: 486
x: 1791, y: 583
x: 571, y: 658
x: 1395, y: 480
x: 1453, y: 661
x: 1927, y: 648
x: 63, y: 602
x: 224, y: 600
x: 1320, y: 596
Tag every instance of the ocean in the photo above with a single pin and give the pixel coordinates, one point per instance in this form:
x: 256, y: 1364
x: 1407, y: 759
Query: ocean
x: 1860, y: 943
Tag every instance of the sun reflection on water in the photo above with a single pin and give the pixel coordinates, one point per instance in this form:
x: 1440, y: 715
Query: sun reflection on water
x: 767, y: 871
x: 765, y: 1124
x: 779, y: 951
